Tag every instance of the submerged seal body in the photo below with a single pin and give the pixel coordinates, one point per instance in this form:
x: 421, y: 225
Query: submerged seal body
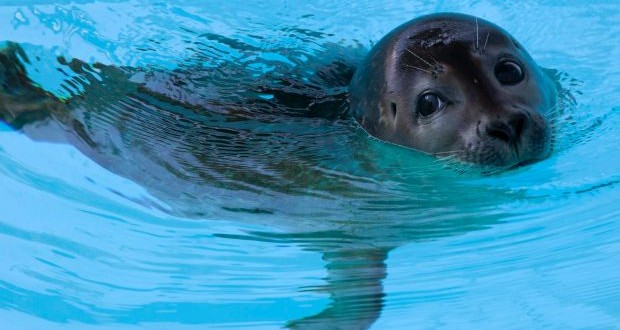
x: 455, y: 85
x: 446, y: 84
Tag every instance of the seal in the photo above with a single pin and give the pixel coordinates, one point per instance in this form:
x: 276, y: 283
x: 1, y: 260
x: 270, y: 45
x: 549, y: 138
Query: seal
x: 458, y: 86
x: 446, y: 84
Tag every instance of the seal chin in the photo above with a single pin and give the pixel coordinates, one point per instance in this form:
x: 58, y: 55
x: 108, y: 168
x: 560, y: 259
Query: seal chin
x: 493, y: 154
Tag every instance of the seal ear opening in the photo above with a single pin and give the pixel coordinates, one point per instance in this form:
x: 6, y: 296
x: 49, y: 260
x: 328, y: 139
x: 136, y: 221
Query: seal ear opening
x: 393, y: 108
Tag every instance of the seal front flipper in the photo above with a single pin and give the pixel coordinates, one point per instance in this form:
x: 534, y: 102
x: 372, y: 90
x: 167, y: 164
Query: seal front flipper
x: 354, y: 282
x: 21, y: 101
x: 323, y: 95
x: 318, y: 89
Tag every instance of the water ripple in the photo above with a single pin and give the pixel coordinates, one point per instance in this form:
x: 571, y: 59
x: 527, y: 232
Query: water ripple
x: 214, y: 178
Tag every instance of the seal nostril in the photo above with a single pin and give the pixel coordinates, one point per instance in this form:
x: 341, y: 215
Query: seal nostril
x: 500, y: 132
x: 508, y: 131
x: 518, y: 123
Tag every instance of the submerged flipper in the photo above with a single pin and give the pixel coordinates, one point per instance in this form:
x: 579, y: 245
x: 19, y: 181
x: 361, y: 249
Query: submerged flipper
x: 324, y: 94
x: 21, y: 101
x: 354, y: 282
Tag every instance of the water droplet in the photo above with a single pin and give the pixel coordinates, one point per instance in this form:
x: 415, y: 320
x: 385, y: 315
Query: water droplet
x: 19, y: 19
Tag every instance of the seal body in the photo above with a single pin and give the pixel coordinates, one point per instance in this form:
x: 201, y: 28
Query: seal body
x: 458, y: 86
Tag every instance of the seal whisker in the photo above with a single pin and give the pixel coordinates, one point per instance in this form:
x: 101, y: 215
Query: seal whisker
x: 451, y: 156
x: 420, y: 58
x: 484, y: 48
x: 552, y: 112
x: 418, y: 68
x: 446, y: 159
x: 451, y: 152
x: 477, y: 43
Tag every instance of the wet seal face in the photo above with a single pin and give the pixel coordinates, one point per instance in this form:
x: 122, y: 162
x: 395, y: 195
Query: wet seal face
x: 457, y: 86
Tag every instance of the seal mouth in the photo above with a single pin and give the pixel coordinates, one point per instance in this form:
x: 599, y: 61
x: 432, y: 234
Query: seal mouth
x: 500, y: 156
x: 520, y: 141
x: 524, y: 163
x: 467, y: 166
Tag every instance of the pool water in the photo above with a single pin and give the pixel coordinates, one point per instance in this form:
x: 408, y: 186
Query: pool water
x: 280, y: 220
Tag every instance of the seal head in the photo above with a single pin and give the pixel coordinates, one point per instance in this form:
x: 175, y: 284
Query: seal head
x: 457, y: 86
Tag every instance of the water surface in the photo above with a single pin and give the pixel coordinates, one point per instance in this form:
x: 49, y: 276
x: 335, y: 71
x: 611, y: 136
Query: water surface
x: 286, y: 220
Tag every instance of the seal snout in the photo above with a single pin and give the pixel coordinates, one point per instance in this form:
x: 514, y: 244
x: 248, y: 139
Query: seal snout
x: 516, y: 138
x: 508, y: 130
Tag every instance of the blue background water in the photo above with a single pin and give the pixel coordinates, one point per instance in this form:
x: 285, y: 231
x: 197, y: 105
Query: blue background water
x: 532, y: 248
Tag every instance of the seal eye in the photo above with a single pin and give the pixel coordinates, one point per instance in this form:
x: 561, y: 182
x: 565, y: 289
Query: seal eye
x: 508, y: 73
x: 428, y: 104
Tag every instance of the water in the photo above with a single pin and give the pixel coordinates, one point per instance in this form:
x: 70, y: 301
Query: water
x: 274, y: 223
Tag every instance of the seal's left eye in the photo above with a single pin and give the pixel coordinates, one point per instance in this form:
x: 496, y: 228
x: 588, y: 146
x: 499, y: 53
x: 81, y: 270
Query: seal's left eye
x: 509, y: 72
x: 428, y: 104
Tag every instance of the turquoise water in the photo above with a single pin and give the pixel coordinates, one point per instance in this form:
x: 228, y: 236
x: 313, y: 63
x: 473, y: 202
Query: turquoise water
x: 300, y: 222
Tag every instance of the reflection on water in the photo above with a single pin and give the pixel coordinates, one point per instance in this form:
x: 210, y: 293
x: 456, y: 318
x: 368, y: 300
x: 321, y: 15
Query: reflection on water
x: 238, y: 136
